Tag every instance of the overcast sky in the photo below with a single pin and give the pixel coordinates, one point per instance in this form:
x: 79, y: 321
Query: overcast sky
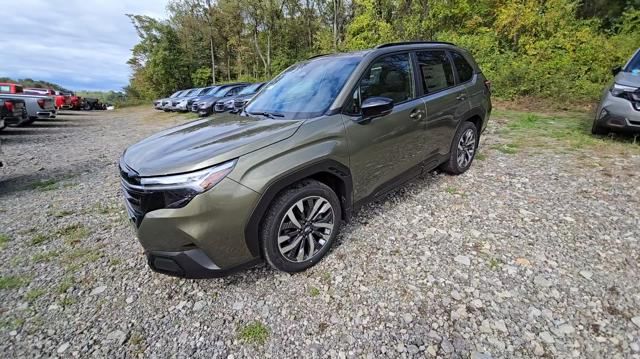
x: 80, y: 45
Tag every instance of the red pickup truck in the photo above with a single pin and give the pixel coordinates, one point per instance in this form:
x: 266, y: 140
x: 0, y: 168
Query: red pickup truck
x: 6, y: 87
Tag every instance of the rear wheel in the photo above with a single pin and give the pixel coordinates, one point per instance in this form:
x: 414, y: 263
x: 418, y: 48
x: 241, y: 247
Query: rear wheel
x: 463, y: 149
x: 300, y: 226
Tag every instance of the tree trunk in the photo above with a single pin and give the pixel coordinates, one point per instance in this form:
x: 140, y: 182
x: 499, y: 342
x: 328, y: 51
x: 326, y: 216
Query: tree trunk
x: 255, y: 39
x: 336, y: 6
x: 228, y: 64
x: 213, y: 63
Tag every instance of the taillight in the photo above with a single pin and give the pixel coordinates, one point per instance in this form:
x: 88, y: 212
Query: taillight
x: 41, y: 103
x: 9, y: 106
x: 487, y: 84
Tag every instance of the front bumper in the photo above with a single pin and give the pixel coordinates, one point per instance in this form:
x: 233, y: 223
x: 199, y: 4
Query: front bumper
x: 203, y: 239
x: 618, y: 114
x: 192, y: 264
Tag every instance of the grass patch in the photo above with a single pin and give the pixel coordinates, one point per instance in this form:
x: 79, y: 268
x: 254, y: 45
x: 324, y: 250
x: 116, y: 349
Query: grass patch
x: 509, y: 149
x: 481, y: 157
x: 45, y: 185
x: 39, y: 238
x: 60, y: 214
x: 44, y: 257
x: 74, y: 233
x: 105, y: 209
x: 34, y: 294
x: 13, y: 282
x: 4, y: 239
x: 314, y: 292
x: 11, y: 324
x: 570, y: 130
x: 83, y: 255
x: 495, y: 264
x: 66, y: 284
x: 254, y: 333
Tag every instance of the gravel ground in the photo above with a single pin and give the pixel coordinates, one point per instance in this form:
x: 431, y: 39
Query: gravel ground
x: 528, y: 254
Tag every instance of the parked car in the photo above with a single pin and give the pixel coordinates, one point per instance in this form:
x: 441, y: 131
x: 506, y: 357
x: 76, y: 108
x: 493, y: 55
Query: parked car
x: 172, y: 106
x: 213, y: 95
x: 227, y: 103
x: 185, y: 102
x: 324, y: 137
x: 206, y: 106
x: 59, y: 98
x: 160, y: 103
x: 243, y: 97
x: 38, y: 107
x: 13, y: 112
x: 619, y: 108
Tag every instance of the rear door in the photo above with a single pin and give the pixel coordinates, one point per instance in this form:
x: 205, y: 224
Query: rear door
x: 385, y: 150
x: 445, y: 100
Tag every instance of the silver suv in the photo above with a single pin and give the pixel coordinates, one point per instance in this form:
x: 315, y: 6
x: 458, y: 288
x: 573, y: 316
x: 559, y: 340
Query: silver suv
x: 619, y: 108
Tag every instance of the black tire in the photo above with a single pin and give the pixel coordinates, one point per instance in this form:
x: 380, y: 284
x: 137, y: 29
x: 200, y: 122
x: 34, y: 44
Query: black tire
x: 598, y: 130
x: 452, y: 166
x: 270, y: 227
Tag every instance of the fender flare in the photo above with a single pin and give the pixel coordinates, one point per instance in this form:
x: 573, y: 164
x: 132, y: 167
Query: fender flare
x: 335, y: 168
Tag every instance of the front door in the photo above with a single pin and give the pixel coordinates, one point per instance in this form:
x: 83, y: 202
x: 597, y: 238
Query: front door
x: 386, y: 149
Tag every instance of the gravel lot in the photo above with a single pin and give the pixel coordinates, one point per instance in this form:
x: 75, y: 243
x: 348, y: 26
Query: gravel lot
x: 534, y: 252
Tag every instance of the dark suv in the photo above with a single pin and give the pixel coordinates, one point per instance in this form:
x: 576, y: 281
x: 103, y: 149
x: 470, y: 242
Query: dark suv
x: 327, y: 135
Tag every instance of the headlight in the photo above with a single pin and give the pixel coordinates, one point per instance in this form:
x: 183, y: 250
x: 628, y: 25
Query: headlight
x: 199, y: 181
x: 618, y: 90
x: 229, y: 103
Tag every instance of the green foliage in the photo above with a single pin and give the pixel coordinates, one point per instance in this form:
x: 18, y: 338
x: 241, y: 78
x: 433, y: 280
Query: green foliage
x: 254, y: 333
x: 13, y: 282
x: 556, y: 49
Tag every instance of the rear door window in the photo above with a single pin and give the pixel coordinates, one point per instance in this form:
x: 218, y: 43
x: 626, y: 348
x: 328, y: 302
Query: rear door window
x: 465, y: 71
x: 436, y: 71
x: 5, y: 88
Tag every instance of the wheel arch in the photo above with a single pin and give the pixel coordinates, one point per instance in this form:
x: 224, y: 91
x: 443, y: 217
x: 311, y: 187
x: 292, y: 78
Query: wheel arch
x: 330, y: 172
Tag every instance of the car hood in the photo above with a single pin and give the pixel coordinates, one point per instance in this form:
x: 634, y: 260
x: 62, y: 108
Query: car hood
x: 204, y: 143
x: 628, y: 79
x: 245, y: 97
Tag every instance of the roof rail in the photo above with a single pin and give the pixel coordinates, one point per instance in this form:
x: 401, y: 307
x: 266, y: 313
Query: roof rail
x: 319, y: 55
x: 382, y: 46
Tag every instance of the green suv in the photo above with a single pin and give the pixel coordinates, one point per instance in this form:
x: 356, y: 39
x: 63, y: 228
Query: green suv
x: 324, y: 137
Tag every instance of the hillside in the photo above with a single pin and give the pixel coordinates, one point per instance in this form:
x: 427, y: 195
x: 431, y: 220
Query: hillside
x: 35, y: 83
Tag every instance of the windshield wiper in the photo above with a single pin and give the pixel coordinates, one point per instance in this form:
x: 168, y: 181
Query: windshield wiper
x: 271, y: 115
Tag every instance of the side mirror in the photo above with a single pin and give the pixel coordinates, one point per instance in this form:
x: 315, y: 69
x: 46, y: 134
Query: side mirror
x: 616, y: 70
x: 376, y: 107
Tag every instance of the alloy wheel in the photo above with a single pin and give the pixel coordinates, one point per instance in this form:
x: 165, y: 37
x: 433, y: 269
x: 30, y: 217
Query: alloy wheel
x: 466, y: 148
x: 306, y: 228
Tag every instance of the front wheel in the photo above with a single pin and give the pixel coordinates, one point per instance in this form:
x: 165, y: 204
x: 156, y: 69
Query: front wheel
x: 463, y: 149
x: 596, y: 129
x: 300, y: 226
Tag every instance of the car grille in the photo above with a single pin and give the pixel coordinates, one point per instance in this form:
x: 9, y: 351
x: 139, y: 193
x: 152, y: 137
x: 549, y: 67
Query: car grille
x: 194, y: 107
x: 219, y: 107
x: 138, y: 201
x: 239, y: 104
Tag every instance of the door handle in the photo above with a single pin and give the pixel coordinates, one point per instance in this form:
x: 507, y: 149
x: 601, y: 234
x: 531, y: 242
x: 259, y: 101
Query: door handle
x: 416, y: 114
x: 461, y: 97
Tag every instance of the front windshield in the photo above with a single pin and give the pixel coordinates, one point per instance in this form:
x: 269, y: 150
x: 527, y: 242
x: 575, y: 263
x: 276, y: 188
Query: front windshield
x: 209, y: 91
x: 192, y: 92
x: 203, y: 91
x: 634, y: 64
x: 175, y: 94
x: 304, y: 90
x: 250, y: 89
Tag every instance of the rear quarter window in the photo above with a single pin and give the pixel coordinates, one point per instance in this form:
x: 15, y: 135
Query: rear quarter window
x: 465, y: 71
